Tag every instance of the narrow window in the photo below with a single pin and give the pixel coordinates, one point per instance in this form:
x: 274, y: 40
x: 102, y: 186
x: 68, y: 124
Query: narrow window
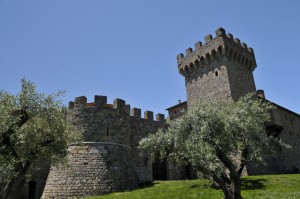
x: 216, y: 73
x: 285, y: 117
x: 107, y: 131
x: 175, y: 111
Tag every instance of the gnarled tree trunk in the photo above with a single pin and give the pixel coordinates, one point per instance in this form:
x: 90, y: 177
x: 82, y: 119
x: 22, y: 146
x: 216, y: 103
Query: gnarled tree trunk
x: 14, y: 187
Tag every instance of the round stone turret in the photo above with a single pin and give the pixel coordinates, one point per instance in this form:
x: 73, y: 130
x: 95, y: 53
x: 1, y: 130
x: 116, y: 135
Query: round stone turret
x: 93, y: 169
x: 108, y: 159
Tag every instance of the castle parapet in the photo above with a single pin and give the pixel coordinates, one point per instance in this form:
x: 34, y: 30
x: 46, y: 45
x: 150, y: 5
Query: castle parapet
x: 119, y: 104
x: 136, y: 112
x: 71, y: 105
x: 127, y: 109
x: 148, y: 115
x: 208, y: 38
x: 100, y: 101
x: 80, y: 102
x: 213, y: 49
x: 160, y: 117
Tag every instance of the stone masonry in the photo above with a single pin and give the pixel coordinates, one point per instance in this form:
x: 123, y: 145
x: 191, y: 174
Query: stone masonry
x: 108, y: 159
x: 221, y: 69
x: 94, y: 168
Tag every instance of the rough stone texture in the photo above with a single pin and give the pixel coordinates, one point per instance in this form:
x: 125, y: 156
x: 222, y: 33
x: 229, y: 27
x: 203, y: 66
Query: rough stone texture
x: 177, y: 111
x: 202, y: 84
x: 93, y: 169
x: 108, y: 160
x: 290, y: 161
x: 222, y: 69
x: 287, y: 125
x: 38, y: 176
x: 219, y: 70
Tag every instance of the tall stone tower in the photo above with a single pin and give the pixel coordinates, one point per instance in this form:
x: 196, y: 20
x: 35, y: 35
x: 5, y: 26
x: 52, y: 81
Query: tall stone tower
x: 221, y: 69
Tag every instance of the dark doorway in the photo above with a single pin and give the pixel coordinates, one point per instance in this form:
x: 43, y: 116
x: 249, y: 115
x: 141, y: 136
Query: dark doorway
x: 159, y: 168
x: 190, y: 172
x: 32, y: 189
x: 187, y: 171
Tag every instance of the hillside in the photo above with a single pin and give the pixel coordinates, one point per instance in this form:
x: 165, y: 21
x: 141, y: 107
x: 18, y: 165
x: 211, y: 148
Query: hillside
x: 267, y: 186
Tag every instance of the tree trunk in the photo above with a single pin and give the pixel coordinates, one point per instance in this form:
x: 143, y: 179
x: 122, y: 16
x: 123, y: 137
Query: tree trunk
x: 13, y: 189
x: 234, y: 173
x: 8, y: 187
x: 223, y: 185
x: 235, y: 188
x: 231, y: 187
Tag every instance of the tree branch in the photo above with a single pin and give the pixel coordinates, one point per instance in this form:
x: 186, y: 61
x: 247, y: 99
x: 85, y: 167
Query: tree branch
x: 226, y: 161
x: 223, y: 185
x: 8, y: 149
x: 22, y: 115
x: 244, y: 158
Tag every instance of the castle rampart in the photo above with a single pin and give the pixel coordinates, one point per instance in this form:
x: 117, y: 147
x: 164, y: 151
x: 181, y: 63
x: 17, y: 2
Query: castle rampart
x: 214, y: 48
x: 285, y: 125
x: 221, y: 69
x: 94, y: 168
x: 108, y: 160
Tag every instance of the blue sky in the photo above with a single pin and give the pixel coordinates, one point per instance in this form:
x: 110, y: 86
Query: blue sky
x: 127, y: 48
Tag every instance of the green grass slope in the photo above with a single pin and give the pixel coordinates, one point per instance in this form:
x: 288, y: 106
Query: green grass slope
x: 267, y: 186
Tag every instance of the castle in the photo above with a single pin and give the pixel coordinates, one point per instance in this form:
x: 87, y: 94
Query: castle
x: 108, y: 159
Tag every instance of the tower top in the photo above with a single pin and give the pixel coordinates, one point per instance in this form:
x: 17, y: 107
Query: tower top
x: 222, y: 45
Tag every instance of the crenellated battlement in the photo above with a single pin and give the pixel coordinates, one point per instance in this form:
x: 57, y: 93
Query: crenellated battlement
x: 118, y: 104
x: 222, y: 45
x: 108, y: 159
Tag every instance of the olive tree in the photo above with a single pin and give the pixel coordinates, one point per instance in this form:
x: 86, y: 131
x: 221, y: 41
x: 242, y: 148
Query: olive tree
x: 33, y: 129
x: 218, y: 139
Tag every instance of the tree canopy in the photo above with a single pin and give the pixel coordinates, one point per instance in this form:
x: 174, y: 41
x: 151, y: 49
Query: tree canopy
x: 218, y: 139
x: 33, y: 130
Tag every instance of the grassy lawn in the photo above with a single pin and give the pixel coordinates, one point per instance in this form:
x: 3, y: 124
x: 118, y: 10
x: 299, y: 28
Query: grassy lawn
x: 268, y: 186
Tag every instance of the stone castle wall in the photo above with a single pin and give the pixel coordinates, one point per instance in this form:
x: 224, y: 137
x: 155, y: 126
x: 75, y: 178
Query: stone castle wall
x: 37, y: 178
x: 290, y: 135
x: 221, y: 69
x: 205, y: 83
x: 288, y: 161
x: 108, y: 160
x: 93, y: 169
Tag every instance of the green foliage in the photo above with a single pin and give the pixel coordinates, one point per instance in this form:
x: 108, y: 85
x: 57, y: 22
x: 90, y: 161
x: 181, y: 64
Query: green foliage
x: 33, y: 129
x: 218, y: 136
x: 254, y: 187
x: 229, y: 127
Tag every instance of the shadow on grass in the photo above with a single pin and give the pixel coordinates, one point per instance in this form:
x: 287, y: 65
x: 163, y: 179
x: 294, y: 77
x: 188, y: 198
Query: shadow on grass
x: 251, y: 184
x: 147, y: 184
x: 195, y: 186
x: 247, y: 184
